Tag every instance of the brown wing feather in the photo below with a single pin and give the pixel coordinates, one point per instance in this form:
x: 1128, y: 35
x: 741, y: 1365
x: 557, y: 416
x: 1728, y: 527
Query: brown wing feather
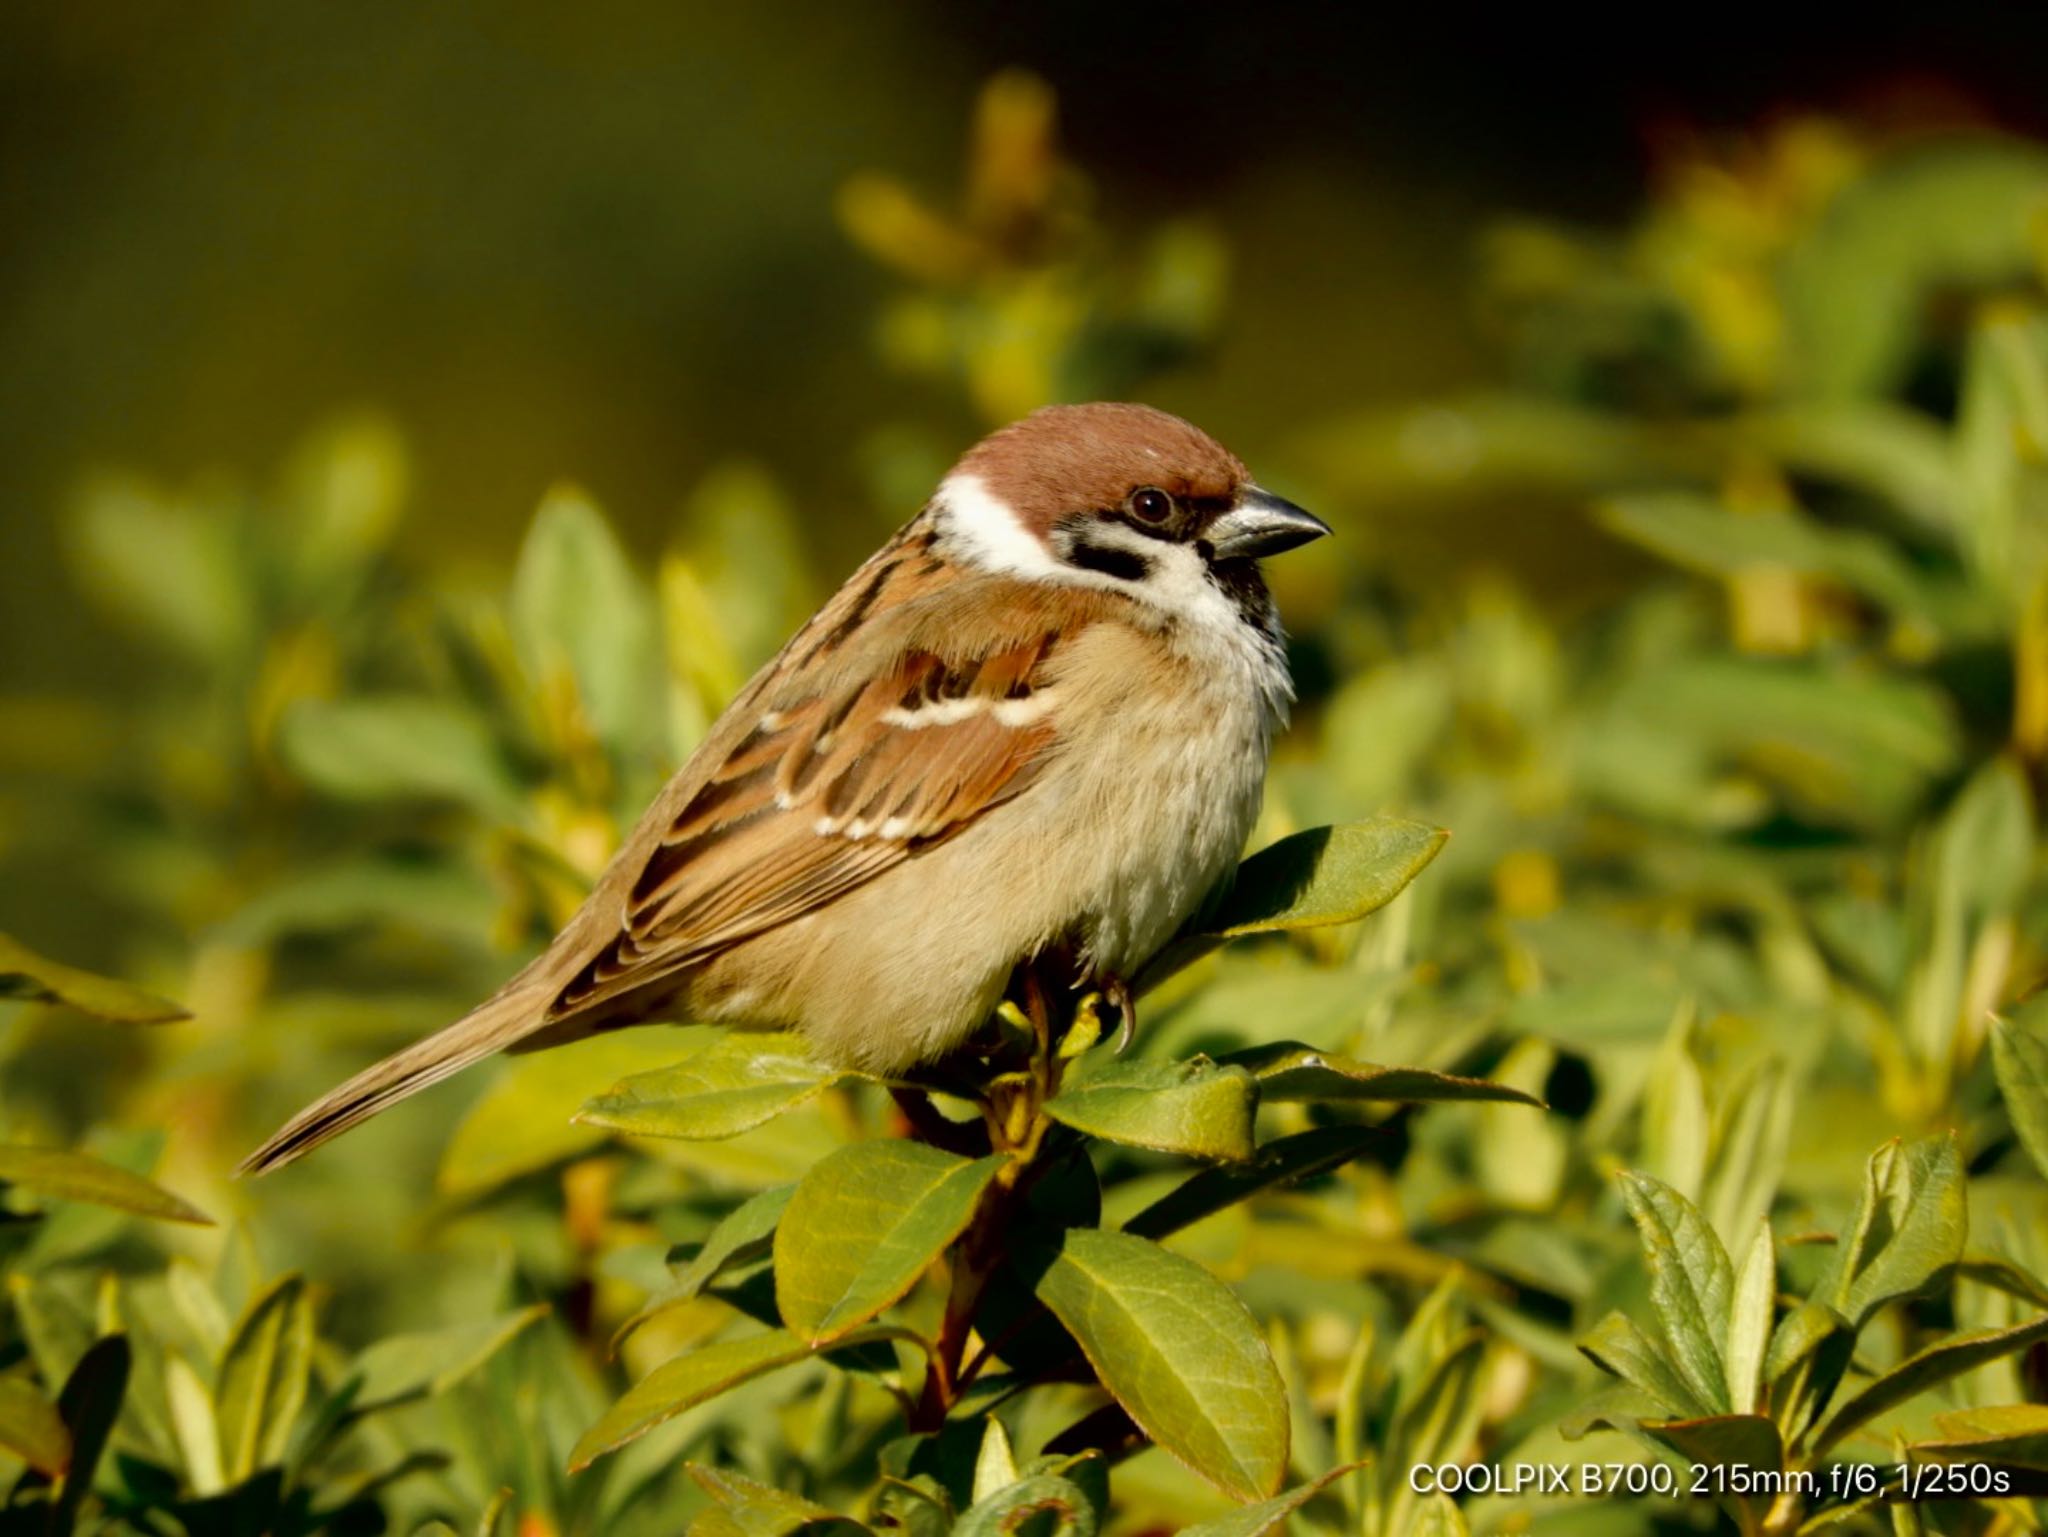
x: 825, y: 793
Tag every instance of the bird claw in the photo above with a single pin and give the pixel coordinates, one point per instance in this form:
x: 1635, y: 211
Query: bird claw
x: 1127, y: 1013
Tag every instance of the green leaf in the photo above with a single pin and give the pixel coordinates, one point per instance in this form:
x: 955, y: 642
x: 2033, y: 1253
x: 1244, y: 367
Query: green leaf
x: 1177, y: 1349
x: 1288, y: 1072
x: 1751, y: 1306
x: 1322, y: 876
x: 172, y: 570
x: 1325, y: 875
x: 2015, y: 1435
x: 1198, y: 1107
x: 1282, y: 1161
x: 1910, y: 1227
x: 81, y: 1177
x: 31, y: 1428
x: 1053, y: 1507
x: 25, y: 974
x: 2019, y: 1056
x: 400, y: 1366
x: 1433, y: 1423
x: 1735, y: 1441
x: 89, y: 1405
x: 754, y: 1509
x: 1267, y: 1516
x: 1703, y: 535
x: 193, y: 1424
x: 1800, y: 1333
x: 578, y: 609
x: 862, y: 1227
x: 400, y: 746
x: 1946, y: 1358
x: 696, y: 1377
x: 744, y: 1234
x: 262, y: 1380
x: 740, y: 1081
x: 1691, y: 1282
x: 526, y: 1119
x: 1616, y: 1345
x: 1952, y: 215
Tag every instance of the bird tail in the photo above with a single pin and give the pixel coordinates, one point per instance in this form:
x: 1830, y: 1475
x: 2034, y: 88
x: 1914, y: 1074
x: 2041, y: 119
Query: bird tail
x: 508, y: 1016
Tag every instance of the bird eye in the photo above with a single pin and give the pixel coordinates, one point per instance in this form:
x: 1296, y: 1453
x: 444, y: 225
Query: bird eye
x: 1151, y: 505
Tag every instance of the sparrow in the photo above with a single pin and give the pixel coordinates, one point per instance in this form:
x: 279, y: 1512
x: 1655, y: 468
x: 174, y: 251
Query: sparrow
x: 1038, y: 716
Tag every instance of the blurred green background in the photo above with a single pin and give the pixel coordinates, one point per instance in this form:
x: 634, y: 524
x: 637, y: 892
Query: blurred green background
x: 600, y: 241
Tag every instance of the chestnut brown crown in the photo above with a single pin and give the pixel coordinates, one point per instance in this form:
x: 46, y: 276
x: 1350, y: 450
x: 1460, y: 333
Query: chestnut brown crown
x: 1062, y: 460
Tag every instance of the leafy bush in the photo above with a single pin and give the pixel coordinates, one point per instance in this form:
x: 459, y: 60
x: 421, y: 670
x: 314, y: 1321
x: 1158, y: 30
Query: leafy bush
x: 1744, y: 883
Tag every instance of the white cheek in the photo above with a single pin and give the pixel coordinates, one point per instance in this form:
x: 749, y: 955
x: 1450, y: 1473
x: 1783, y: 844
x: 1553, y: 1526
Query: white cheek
x: 980, y: 528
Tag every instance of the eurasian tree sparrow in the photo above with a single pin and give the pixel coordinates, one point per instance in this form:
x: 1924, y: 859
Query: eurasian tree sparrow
x: 1038, y: 716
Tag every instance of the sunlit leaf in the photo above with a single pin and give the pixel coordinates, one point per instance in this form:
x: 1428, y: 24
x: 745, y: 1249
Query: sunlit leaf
x: 1946, y: 1358
x: 1283, y: 1161
x: 1909, y: 1228
x: 1178, y: 1351
x: 69, y: 1176
x: 580, y: 610
x: 399, y: 746
x: 2019, y: 1054
x: 1323, y: 876
x: 2015, y: 1435
x: 24, y: 974
x: 1751, y: 1309
x: 1200, y: 1108
x: 862, y: 1227
x: 401, y: 1365
x: 31, y: 1428
x: 736, y: 1083
x: 1289, y: 1071
x: 745, y: 1234
x: 1746, y: 1441
x: 1267, y: 1516
x: 1691, y: 1282
x: 262, y: 1381
x: 752, y: 1509
x: 526, y: 1119
x: 694, y: 1378
x: 1952, y: 216
x: 1617, y: 1344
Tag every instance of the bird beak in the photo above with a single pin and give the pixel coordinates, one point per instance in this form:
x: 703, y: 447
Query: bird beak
x: 1262, y: 524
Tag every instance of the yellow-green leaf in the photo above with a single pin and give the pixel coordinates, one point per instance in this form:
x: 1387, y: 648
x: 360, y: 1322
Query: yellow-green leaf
x: 740, y: 1081
x: 694, y: 1378
x: 1946, y: 1358
x: 1178, y: 1350
x: 1280, y: 1162
x: 1201, y: 1108
x: 1325, y: 875
x: 751, y: 1509
x: 1267, y: 1516
x: 25, y: 974
x: 1289, y: 1071
x: 1691, y: 1282
x: 31, y: 1428
x: 863, y: 1225
x: 262, y: 1381
x: 72, y: 1176
x: 2019, y: 1055
x: 401, y: 1365
x: 2013, y: 1434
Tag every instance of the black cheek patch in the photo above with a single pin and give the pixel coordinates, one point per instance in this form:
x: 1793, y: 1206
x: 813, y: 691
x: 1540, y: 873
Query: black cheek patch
x: 1109, y: 560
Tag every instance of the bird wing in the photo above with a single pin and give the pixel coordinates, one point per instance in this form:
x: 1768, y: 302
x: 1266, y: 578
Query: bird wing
x: 846, y: 772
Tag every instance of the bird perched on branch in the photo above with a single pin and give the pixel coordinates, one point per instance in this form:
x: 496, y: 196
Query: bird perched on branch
x: 1038, y: 716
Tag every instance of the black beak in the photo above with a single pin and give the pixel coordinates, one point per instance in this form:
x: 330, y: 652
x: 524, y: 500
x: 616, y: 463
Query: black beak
x: 1261, y: 524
